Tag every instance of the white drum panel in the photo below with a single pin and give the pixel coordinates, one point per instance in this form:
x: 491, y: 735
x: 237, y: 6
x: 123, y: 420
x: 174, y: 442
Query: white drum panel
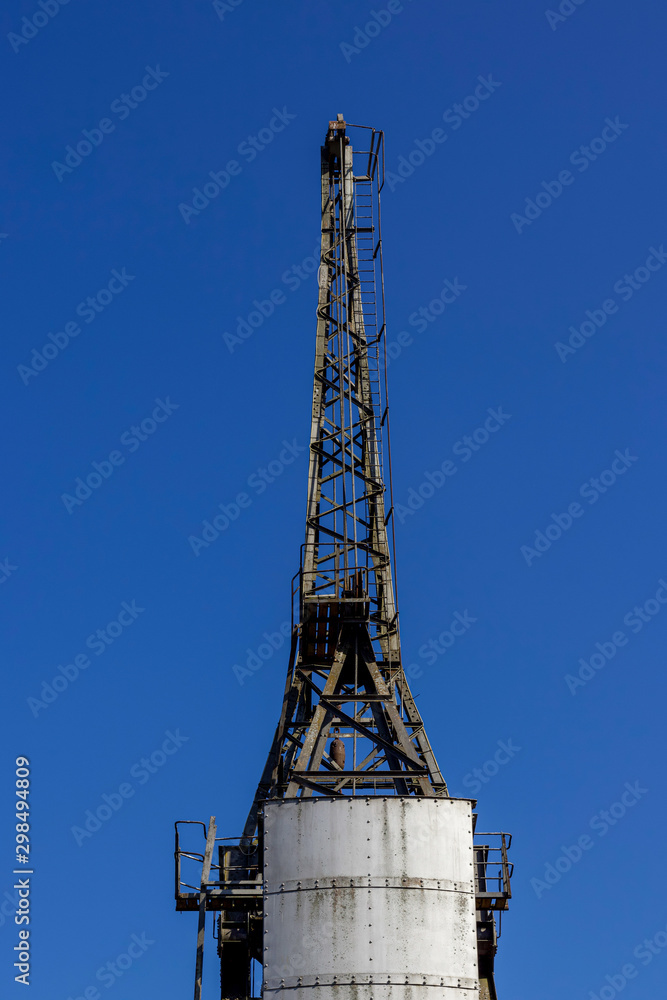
x: 369, y: 898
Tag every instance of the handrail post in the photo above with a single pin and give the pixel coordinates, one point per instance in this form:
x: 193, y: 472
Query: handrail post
x: 177, y: 862
x: 206, y: 870
x: 503, y: 848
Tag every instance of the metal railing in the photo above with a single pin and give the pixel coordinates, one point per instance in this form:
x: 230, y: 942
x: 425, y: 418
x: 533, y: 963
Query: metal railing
x: 332, y: 580
x: 235, y: 874
x: 493, y: 871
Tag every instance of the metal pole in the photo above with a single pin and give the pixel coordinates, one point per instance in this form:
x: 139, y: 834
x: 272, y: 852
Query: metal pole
x: 206, y: 871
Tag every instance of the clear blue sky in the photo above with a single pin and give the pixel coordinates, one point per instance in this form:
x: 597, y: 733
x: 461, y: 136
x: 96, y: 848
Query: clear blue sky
x: 149, y: 351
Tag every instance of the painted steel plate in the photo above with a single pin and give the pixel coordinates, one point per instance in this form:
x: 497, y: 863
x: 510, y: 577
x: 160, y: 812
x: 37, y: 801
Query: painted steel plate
x: 369, y: 897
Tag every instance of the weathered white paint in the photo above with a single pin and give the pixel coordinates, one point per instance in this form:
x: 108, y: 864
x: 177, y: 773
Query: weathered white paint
x: 377, y: 892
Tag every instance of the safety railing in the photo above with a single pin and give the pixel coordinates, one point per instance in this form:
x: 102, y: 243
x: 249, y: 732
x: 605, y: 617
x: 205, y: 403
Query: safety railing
x: 493, y: 871
x: 234, y: 877
x: 325, y: 577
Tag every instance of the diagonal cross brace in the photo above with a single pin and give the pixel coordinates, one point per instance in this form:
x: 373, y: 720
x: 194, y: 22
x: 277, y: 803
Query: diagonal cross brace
x: 375, y: 737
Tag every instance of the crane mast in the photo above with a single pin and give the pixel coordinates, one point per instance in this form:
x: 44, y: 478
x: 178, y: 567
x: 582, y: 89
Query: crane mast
x: 346, y: 667
x: 349, y: 726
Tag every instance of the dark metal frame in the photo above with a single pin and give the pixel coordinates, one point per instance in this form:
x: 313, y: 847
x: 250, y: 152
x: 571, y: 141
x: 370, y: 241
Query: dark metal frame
x: 237, y: 896
x: 344, y: 676
x: 345, y: 668
x: 493, y: 891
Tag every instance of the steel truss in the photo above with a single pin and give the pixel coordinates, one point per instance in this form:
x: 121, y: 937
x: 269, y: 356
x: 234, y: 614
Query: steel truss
x: 345, y: 675
x: 349, y: 724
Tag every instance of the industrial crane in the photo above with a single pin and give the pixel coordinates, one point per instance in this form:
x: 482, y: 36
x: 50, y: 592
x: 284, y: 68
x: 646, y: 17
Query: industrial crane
x: 357, y: 875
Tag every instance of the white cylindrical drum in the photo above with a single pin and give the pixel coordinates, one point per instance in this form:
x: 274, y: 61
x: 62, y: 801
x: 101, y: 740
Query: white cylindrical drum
x: 369, y: 898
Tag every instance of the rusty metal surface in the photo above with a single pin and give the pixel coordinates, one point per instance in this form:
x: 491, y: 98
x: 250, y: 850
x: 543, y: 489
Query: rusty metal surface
x: 370, y: 892
x: 345, y: 615
x: 337, y: 753
x: 369, y: 897
x: 389, y: 987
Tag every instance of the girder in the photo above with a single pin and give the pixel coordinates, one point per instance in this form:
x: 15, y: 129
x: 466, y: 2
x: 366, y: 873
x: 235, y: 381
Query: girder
x: 348, y: 723
x: 346, y: 626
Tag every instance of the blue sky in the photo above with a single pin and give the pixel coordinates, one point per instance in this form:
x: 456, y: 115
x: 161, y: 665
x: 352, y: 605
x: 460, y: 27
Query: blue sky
x: 542, y: 201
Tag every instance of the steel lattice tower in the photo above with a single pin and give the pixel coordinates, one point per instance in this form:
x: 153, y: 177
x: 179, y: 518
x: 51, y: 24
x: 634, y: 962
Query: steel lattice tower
x: 346, y: 657
x: 349, y: 725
